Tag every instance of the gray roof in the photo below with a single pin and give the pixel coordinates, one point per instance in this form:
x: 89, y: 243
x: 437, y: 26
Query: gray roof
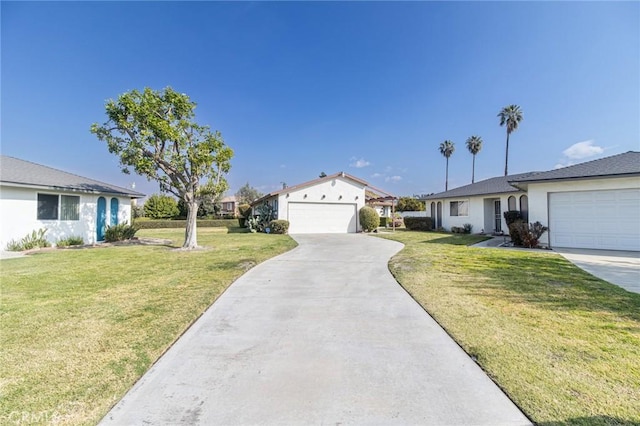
x: 25, y: 173
x: 626, y: 164
x: 496, y: 185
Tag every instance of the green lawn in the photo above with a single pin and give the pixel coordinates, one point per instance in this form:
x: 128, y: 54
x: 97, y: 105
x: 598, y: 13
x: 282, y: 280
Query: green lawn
x: 564, y: 345
x: 80, y: 326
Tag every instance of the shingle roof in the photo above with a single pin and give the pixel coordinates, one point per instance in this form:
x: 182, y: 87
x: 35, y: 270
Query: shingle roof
x: 496, y: 185
x: 26, y: 173
x: 624, y: 164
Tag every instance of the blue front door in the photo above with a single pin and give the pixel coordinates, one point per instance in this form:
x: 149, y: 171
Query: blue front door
x: 102, y: 219
x: 114, y: 212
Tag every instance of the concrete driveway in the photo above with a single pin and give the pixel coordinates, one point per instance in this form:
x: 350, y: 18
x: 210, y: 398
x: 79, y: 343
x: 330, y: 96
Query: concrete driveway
x: 618, y: 267
x: 322, y: 334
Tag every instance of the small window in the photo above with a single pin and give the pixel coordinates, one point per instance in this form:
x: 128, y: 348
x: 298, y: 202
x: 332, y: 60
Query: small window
x: 524, y: 207
x: 47, y: 207
x: 69, y: 207
x: 459, y: 208
x: 512, y: 203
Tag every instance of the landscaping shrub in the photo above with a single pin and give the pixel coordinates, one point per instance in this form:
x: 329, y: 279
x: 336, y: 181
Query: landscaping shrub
x: 120, y: 232
x: 137, y: 211
x: 201, y: 223
x: 512, y: 216
x: 513, y: 219
x: 244, y: 210
x: 418, y: 223
x: 384, y: 221
x: 279, y: 226
x: 467, y: 228
x: 529, y: 234
x: 34, y: 240
x: 70, y: 241
x: 161, y: 207
x: 369, y: 219
x: 264, y: 214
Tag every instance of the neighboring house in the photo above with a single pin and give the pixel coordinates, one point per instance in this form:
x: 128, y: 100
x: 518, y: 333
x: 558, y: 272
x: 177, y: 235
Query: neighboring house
x: 480, y: 204
x: 229, y: 206
x: 383, y: 202
x: 593, y: 205
x: 326, y: 205
x: 33, y: 196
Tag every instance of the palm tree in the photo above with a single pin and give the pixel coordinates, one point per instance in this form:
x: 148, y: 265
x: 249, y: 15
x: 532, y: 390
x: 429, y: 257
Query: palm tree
x: 446, y: 149
x: 510, y: 116
x: 474, y: 145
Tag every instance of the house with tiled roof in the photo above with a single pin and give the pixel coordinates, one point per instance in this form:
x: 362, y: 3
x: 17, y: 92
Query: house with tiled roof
x: 34, y: 196
x: 593, y: 205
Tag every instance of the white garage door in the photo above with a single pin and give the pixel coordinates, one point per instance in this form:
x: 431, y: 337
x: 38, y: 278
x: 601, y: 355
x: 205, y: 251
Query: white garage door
x: 608, y: 220
x: 318, y: 218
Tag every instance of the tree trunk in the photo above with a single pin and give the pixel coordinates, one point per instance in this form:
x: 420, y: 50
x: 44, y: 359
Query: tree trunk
x: 473, y: 169
x: 190, y: 234
x: 446, y: 180
x: 506, y: 158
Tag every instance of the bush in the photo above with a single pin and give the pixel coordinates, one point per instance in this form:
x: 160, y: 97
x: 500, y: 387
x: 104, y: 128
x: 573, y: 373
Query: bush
x: 161, y: 207
x: 384, y: 221
x: 137, y: 211
x: 157, y: 224
x: 244, y: 210
x: 120, y: 232
x: 279, y: 226
x: 369, y: 219
x: 457, y: 230
x: 467, y: 228
x: 528, y: 234
x: 418, y: 223
x: 264, y: 214
x: 70, y: 241
x: 512, y: 216
x: 34, y: 240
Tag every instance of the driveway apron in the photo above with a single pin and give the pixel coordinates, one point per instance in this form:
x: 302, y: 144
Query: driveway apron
x: 322, y: 334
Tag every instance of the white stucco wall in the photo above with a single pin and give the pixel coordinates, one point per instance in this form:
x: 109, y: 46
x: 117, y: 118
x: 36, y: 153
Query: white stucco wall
x: 539, y: 195
x: 481, y: 212
x: 340, y: 190
x: 18, y: 215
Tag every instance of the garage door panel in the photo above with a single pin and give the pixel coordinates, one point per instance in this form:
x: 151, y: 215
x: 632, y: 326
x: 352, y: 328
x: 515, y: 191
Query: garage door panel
x: 321, y: 218
x: 595, y: 219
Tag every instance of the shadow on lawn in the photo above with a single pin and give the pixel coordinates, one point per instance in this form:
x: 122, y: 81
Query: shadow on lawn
x: 594, y: 420
x: 456, y: 240
x: 552, y: 281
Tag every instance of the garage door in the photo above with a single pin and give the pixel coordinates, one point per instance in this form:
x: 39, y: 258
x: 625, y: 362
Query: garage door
x: 607, y: 220
x: 319, y: 218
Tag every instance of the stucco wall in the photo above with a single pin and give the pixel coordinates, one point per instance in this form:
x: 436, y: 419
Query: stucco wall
x: 18, y: 215
x: 539, y: 195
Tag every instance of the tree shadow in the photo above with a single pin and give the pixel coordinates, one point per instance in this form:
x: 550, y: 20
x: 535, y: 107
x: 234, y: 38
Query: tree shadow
x: 593, y: 421
x: 456, y: 240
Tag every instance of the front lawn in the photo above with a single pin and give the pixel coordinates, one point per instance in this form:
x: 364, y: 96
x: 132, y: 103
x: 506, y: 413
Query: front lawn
x: 80, y: 326
x: 564, y: 345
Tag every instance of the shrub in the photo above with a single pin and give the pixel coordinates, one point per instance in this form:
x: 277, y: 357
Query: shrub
x: 144, y: 223
x: 410, y: 204
x: 384, y: 221
x: 70, y: 241
x: 120, y: 232
x: 244, y: 210
x: 457, y: 230
x: 279, y: 226
x: 467, y: 228
x: 34, y: 240
x: 264, y: 214
x: 161, y: 207
x: 528, y: 234
x: 418, y: 223
x: 511, y: 216
x: 369, y: 219
x: 137, y: 211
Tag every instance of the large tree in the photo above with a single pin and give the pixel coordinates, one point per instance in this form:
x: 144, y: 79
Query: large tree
x: 446, y: 149
x: 247, y: 194
x: 474, y: 145
x: 155, y: 134
x: 510, y: 116
x: 410, y: 204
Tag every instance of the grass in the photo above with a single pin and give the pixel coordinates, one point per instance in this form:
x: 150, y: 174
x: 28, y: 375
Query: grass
x: 80, y: 326
x: 564, y: 345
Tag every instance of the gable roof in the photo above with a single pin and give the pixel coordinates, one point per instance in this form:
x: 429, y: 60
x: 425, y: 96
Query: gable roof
x: 25, y: 173
x: 496, y: 185
x: 626, y: 164
x: 310, y: 183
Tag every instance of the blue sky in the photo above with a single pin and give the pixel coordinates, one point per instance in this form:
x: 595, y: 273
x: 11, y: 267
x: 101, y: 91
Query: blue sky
x: 298, y: 88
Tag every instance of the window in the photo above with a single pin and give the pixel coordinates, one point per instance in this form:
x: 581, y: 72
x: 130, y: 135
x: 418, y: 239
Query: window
x: 459, y: 208
x: 512, y: 203
x: 47, y: 207
x: 64, y: 207
x: 524, y: 208
x: 69, y: 207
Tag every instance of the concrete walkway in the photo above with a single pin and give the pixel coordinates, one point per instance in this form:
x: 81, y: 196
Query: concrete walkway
x: 322, y: 334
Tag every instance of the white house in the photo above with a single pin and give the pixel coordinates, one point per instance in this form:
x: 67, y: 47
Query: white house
x: 593, y: 205
x: 325, y: 205
x: 480, y: 204
x: 33, y: 196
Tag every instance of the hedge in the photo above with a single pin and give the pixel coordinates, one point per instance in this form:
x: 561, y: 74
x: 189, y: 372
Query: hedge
x: 204, y: 223
x: 418, y: 223
x: 279, y: 226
